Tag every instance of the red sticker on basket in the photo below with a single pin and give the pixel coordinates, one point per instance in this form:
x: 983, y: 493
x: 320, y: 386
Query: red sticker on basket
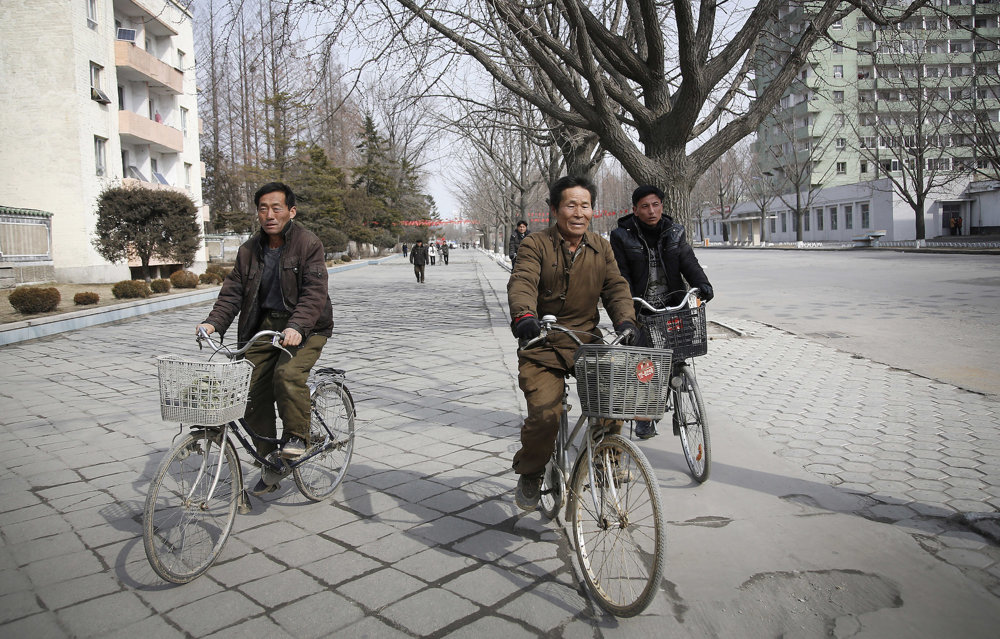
x: 645, y: 370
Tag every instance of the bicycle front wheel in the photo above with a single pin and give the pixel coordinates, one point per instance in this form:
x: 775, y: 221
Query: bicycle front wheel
x: 692, y: 424
x: 618, y: 527
x: 191, y: 506
x: 333, y: 415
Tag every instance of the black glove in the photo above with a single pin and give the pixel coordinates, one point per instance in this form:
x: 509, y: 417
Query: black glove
x: 632, y: 336
x: 527, y: 327
x: 706, y: 293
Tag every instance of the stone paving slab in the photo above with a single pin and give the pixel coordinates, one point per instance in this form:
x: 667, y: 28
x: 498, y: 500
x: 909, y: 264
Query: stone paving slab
x: 845, y: 495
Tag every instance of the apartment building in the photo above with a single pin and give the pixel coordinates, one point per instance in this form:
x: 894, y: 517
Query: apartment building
x: 98, y: 92
x: 875, y: 101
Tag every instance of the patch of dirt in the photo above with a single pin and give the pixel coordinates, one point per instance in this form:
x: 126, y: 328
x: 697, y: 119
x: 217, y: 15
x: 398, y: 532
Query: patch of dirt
x: 67, y: 291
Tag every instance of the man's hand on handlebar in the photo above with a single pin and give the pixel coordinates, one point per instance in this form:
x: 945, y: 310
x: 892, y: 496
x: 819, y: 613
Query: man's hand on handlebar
x: 527, y: 327
x: 628, y: 331
x: 291, y: 337
x: 208, y: 329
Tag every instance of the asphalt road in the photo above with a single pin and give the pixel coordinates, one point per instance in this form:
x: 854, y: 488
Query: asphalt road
x: 932, y: 314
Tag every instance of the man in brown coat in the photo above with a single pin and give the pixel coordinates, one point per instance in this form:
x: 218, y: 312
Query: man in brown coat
x: 563, y: 271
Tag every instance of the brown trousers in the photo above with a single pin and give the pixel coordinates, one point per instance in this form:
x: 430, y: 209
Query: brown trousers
x: 278, y: 378
x: 543, y: 392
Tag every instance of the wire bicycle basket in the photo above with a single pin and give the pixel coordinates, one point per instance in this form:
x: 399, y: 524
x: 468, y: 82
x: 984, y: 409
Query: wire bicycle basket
x: 622, y: 382
x: 203, y: 393
x: 683, y: 331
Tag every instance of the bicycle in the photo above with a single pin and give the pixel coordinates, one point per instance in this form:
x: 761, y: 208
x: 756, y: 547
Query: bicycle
x: 611, y: 494
x: 198, y: 487
x: 682, y: 329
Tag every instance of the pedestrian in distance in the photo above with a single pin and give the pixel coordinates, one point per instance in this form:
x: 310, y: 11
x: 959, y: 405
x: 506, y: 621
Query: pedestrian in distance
x: 444, y: 253
x: 958, y: 225
x: 520, y: 232
x: 419, y: 257
x: 564, y: 271
x: 656, y: 260
x: 404, y: 250
x: 432, y: 253
x: 279, y: 283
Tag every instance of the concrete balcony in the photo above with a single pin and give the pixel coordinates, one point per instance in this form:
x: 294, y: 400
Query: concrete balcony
x: 135, y: 65
x: 135, y: 129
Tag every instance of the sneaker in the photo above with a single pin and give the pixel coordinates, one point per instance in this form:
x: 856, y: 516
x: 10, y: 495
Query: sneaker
x: 294, y: 448
x: 645, y: 429
x: 529, y: 491
x: 262, y: 488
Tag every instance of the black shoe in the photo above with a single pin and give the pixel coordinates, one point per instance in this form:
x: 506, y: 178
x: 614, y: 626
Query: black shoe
x: 294, y: 448
x: 645, y: 429
x: 260, y: 488
x: 529, y: 491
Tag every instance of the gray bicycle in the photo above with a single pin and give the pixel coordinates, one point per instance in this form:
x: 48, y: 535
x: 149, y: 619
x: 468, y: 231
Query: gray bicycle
x: 610, y: 492
x: 198, y: 488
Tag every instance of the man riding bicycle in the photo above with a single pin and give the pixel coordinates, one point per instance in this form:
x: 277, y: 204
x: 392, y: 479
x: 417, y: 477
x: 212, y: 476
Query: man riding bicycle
x: 279, y: 283
x: 656, y: 260
x: 563, y: 271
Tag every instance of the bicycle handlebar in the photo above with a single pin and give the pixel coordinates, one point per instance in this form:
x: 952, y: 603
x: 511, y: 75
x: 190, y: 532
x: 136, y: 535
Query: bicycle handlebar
x: 685, y: 302
x: 548, y: 323
x: 219, y: 347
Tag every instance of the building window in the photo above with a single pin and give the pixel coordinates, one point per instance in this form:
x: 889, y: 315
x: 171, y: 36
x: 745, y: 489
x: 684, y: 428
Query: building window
x: 819, y: 219
x: 841, y: 168
x: 866, y: 221
x: 833, y: 218
x: 805, y: 221
x: 92, y: 14
x: 848, y: 216
x: 187, y: 176
x: 100, y: 155
x: 839, y: 24
x: 784, y: 222
x: 773, y: 221
x: 838, y: 96
x: 838, y: 48
x: 184, y: 121
x: 864, y: 166
x: 838, y: 70
x: 841, y: 143
x: 97, y: 93
x: 180, y: 60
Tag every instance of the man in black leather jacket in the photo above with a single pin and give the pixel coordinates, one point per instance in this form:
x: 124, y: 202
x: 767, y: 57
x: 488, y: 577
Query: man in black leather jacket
x: 656, y: 260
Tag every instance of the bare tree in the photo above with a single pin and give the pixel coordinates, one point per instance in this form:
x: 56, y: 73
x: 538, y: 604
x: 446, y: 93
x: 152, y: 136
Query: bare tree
x: 647, y: 93
x: 761, y: 189
x: 725, y: 181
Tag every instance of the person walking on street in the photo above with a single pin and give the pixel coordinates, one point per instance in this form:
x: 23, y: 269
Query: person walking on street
x: 444, y: 253
x: 520, y: 232
x: 432, y: 253
x: 404, y: 250
x: 279, y: 283
x: 418, y: 257
x: 656, y: 260
x: 563, y: 271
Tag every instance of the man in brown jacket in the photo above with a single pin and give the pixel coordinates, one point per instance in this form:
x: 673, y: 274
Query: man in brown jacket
x: 562, y: 271
x: 279, y: 283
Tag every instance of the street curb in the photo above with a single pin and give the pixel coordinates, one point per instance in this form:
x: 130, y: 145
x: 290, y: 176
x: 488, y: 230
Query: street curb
x: 54, y: 324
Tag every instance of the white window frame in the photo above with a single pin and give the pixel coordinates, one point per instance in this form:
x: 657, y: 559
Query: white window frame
x: 838, y: 97
x: 92, y: 14
x: 100, y: 155
x: 838, y: 70
x: 841, y: 168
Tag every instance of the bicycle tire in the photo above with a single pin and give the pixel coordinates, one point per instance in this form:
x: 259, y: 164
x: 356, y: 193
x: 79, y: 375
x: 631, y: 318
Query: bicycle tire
x: 181, y: 532
x: 552, y: 491
x: 320, y: 475
x: 692, y: 422
x: 621, y: 550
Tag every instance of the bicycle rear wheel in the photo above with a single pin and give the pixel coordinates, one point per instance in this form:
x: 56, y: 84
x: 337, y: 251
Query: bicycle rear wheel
x: 191, y: 506
x: 690, y: 418
x: 320, y: 475
x: 620, y: 541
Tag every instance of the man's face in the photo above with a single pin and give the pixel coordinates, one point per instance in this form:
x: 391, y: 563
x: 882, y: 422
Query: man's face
x: 273, y: 214
x: 521, y: 228
x: 574, y: 213
x: 649, y: 210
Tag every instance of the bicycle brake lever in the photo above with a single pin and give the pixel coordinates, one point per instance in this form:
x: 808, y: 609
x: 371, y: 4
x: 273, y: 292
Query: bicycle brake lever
x: 276, y: 342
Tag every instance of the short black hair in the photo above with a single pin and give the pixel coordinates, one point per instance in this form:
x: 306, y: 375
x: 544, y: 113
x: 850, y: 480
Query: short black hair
x: 271, y: 187
x: 643, y: 191
x: 520, y: 222
x: 568, y: 182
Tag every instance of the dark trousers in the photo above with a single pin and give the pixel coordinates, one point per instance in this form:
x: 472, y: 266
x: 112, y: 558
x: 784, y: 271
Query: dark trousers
x: 278, y: 378
x: 418, y: 270
x: 543, y: 392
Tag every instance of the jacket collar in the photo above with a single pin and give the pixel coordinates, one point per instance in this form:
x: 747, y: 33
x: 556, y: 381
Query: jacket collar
x: 262, y: 240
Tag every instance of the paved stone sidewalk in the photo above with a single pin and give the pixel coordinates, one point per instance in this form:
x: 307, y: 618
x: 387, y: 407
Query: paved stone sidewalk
x: 423, y: 539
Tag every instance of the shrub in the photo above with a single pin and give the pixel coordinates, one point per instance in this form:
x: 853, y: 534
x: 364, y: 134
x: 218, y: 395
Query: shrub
x: 223, y: 271
x: 160, y: 286
x: 210, y: 278
x: 184, y: 279
x: 86, y: 298
x: 127, y: 289
x: 34, y: 299
x: 345, y: 258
